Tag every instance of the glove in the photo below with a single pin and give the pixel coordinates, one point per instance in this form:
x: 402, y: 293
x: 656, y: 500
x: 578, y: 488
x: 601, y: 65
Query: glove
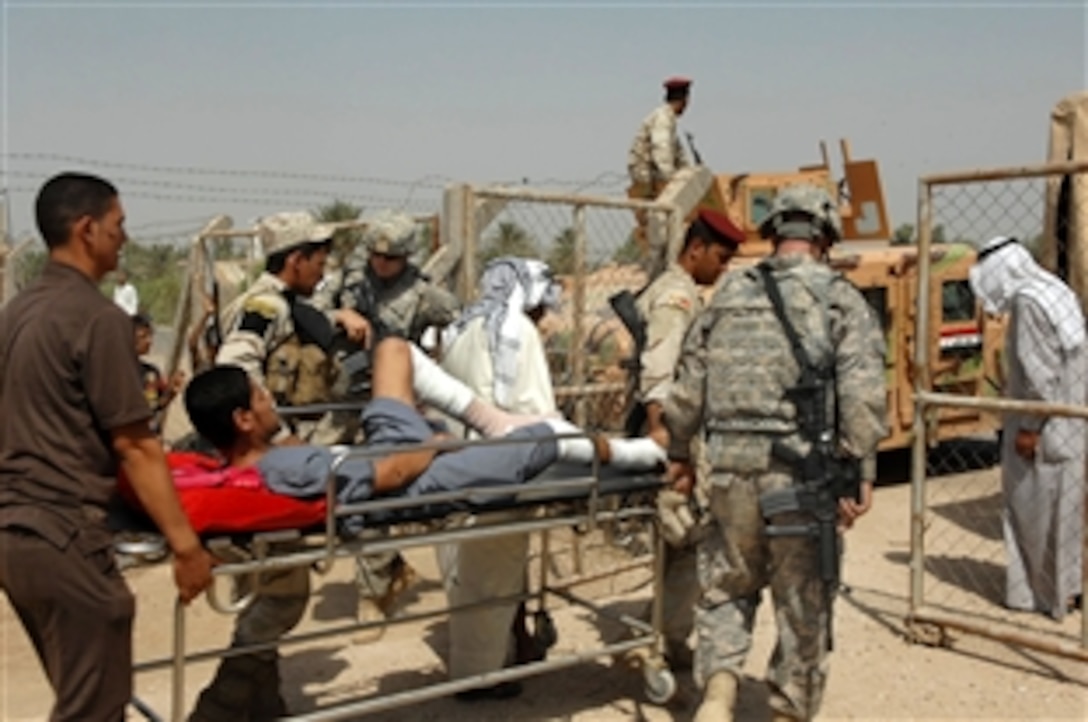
x: 674, y: 513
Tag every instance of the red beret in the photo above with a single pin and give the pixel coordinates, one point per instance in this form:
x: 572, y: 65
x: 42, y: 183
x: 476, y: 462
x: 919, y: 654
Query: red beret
x: 720, y: 225
x: 677, y: 83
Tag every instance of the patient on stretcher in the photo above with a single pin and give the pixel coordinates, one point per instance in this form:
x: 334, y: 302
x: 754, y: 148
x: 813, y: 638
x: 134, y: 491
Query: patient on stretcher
x: 239, y: 418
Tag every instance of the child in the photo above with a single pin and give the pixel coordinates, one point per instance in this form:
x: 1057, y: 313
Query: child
x: 157, y: 390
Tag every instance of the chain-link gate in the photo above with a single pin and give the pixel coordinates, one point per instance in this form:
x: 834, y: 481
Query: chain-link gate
x: 995, y: 529
x: 590, y: 244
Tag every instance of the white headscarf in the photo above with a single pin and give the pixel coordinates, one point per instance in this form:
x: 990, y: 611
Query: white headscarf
x: 509, y: 287
x: 1006, y: 269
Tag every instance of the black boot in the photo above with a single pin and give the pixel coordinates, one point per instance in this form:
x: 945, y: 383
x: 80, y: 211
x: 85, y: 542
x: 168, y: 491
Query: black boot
x: 230, y: 695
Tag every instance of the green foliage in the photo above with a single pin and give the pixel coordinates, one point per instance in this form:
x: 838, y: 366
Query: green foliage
x: 345, y: 240
x: 157, y: 271
x: 509, y: 239
x: 561, y: 255
x: 629, y: 252
x: 904, y: 235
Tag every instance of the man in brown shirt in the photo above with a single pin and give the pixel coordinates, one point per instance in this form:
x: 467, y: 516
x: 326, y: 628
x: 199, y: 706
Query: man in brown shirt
x: 71, y: 408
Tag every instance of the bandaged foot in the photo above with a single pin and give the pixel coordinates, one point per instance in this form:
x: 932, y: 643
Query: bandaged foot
x: 491, y: 421
x: 641, y: 454
x: 436, y: 388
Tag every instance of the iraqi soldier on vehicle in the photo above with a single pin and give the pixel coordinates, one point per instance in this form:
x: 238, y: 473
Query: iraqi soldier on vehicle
x: 664, y: 310
x: 380, y: 282
x: 656, y: 153
x: 283, y: 343
x: 782, y: 374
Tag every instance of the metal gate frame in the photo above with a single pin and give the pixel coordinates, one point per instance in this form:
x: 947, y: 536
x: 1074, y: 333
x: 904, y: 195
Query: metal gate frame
x: 921, y: 620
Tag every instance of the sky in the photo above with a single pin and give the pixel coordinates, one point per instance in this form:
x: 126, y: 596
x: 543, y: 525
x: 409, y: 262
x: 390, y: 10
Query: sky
x: 201, y: 108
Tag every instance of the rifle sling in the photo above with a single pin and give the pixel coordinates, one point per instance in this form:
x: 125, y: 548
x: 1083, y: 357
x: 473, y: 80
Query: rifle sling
x: 779, y: 306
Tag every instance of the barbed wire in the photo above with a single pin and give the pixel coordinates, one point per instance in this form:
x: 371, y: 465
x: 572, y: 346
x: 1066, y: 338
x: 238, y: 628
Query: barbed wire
x: 194, y: 170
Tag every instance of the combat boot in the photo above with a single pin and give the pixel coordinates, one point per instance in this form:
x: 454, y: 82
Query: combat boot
x: 230, y: 695
x: 267, y: 703
x: 719, y: 697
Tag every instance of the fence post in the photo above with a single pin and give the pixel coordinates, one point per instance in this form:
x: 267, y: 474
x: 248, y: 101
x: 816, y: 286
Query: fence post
x: 466, y: 287
x: 919, y: 446
x: 577, y: 350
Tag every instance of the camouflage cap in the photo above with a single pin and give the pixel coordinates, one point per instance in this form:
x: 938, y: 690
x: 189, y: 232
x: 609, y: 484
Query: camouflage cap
x: 391, y: 234
x: 284, y: 231
x: 807, y: 198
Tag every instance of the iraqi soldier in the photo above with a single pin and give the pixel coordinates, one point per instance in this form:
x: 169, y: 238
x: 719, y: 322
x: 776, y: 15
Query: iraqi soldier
x: 776, y: 455
x: 380, y: 281
x: 667, y: 307
x: 278, y: 338
x: 663, y: 311
x: 656, y: 153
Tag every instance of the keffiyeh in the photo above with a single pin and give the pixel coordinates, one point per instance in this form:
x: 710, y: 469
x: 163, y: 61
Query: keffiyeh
x: 1006, y: 269
x: 509, y: 287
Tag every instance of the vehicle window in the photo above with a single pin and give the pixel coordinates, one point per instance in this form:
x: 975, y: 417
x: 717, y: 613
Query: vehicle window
x: 957, y: 301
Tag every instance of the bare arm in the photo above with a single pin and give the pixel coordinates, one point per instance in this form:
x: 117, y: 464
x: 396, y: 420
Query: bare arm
x: 144, y: 463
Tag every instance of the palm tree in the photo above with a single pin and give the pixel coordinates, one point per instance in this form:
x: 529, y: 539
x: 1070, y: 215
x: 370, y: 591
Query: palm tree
x: 343, y: 241
x: 509, y: 239
x: 561, y: 256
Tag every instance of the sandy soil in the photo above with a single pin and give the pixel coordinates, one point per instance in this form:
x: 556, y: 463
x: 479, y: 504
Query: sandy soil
x: 875, y: 672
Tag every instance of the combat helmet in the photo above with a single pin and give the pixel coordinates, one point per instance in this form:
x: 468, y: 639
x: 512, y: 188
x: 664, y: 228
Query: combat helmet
x: 808, y: 199
x: 391, y: 234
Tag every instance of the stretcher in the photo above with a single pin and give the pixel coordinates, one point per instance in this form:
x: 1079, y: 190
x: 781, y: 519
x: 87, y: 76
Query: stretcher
x: 564, y: 496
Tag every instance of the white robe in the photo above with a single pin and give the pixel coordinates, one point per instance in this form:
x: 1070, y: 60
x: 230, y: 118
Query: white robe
x: 1043, y: 512
x: 476, y: 571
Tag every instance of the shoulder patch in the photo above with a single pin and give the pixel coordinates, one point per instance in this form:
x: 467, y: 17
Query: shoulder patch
x: 678, y: 299
x: 259, y: 313
x: 261, y: 305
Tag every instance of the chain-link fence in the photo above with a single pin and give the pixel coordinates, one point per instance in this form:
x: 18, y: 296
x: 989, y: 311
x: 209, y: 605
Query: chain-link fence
x: 592, y: 246
x: 997, y: 543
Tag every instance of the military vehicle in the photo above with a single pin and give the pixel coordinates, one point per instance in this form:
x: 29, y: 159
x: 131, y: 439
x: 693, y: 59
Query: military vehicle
x: 964, y: 348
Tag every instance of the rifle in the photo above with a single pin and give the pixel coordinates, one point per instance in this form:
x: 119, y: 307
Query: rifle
x: 825, y: 476
x: 694, y: 153
x: 623, y: 303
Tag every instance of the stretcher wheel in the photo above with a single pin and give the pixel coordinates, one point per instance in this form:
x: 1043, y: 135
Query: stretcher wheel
x: 544, y: 629
x: 660, y: 683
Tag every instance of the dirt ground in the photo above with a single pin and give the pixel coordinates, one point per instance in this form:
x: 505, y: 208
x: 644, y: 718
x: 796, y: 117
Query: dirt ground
x: 876, y: 674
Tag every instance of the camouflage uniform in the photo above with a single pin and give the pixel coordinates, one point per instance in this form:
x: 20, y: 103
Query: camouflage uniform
x: 656, y: 153
x: 653, y: 158
x: 667, y: 306
x: 405, y: 305
x: 261, y: 337
x: 734, y: 370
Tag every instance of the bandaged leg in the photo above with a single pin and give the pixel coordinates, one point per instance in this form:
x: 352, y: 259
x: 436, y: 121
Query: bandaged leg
x: 639, y: 454
x: 434, y: 387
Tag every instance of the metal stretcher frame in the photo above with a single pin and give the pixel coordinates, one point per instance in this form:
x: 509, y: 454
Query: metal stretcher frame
x: 576, y: 501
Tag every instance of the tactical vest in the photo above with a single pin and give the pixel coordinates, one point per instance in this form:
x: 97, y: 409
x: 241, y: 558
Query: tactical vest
x: 300, y: 370
x: 749, y: 364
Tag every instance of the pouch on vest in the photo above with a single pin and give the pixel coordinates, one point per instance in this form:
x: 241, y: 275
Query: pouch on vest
x: 749, y: 368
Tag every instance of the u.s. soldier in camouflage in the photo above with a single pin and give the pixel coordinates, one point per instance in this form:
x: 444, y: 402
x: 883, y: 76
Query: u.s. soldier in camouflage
x: 731, y: 384
x: 281, y: 341
x: 667, y: 307
x: 379, y: 281
x: 402, y: 300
